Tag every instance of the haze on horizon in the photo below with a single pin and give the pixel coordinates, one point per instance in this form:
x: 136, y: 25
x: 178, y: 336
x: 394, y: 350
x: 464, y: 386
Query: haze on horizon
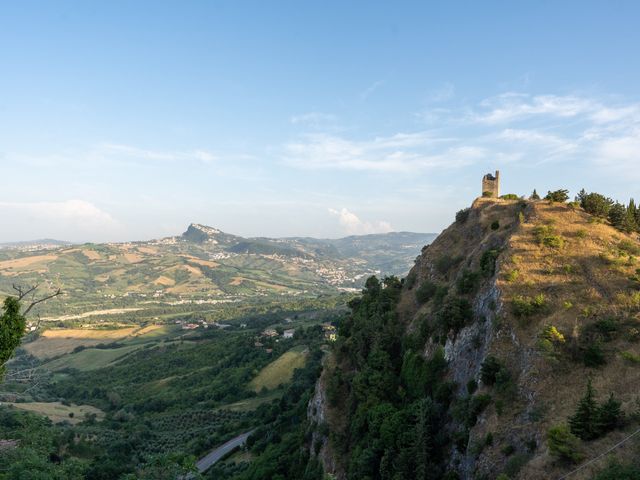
x: 123, y: 121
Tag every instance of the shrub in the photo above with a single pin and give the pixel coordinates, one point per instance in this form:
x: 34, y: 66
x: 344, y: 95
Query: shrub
x: 510, y: 196
x: 616, y: 471
x: 593, y: 355
x: 526, y: 306
x: 489, y: 370
x: 629, y: 247
x: 563, y: 444
x: 512, y: 275
x: 495, y: 225
x: 462, y: 215
x: 446, y: 263
x: 454, y: 314
x: 557, y: 196
x: 426, y: 291
x: 630, y: 357
x: 410, y: 280
x: 582, y: 233
x: 545, y: 236
x: 552, y: 334
x: 468, y: 282
x: 488, y: 262
x: 487, y: 194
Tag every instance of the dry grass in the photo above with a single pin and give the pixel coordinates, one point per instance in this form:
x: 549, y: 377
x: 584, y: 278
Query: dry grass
x: 91, y: 254
x: 280, y: 371
x: 56, y: 342
x: 60, y: 413
x: 165, y: 281
x: 26, y: 262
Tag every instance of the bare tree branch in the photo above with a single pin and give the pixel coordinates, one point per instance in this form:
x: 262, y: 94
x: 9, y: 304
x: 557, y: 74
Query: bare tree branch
x: 43, y: 299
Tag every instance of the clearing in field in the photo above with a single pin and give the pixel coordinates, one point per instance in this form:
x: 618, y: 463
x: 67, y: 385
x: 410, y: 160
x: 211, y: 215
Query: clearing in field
x: 58, y: 412
x: 280, y: 371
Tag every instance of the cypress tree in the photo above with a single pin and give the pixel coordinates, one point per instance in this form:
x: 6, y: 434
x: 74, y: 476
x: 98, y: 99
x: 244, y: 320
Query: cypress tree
x: 609, y: 414
x: 585, y: 422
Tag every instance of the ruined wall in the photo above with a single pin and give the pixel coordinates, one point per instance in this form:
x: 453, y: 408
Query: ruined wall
x: 491, y: 183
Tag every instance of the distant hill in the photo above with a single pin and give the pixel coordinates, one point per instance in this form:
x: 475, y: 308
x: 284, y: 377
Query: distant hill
x: 204, y: 264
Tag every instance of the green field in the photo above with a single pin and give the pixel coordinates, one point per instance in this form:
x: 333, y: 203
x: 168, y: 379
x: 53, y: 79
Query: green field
x: 280, y: 371
x: 90, y: 358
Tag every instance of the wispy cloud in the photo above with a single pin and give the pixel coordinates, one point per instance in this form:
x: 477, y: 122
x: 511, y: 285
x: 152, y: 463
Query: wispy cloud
x: 510, y: 128
x: 353, y: 225
x: 132, y: 152
x: 313, y: 119
x: 402, y: 152
x: 367, y: 92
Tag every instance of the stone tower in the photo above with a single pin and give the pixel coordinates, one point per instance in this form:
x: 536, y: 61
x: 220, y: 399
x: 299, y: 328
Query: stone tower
x: 491, y: 185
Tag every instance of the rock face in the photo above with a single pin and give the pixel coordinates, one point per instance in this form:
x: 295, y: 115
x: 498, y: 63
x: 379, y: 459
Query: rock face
x: 317, y: 414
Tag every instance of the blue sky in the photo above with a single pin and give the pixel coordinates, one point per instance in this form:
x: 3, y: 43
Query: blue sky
x: 128, y: 120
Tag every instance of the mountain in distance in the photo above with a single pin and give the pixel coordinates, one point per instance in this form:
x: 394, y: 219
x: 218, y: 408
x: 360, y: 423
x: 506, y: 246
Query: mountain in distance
x: 204, y: 265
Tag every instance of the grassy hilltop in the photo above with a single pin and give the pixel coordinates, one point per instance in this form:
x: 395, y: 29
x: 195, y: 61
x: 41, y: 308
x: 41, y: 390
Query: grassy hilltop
x: 512, y: 348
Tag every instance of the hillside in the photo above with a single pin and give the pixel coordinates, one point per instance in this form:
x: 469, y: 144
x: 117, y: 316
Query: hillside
x: 202, y: 266
x: 474, y: 366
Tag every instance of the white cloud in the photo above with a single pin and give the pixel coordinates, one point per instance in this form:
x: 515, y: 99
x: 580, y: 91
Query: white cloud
x: 402, y: 152
x: 65, y: 220
x: 314, y: 119
x: 353, y: 225
x: 135, y: 153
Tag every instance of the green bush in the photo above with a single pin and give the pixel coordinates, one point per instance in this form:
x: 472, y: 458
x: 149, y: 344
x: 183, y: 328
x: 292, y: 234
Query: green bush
x: 488, y: 262
x: 510, y: 196
x: 557, y: 196
x: 563, y: 444
x: 446, y: 263
x: 489, y: 370
x: 545, y: 236
x: 468, y: 282
x: 454, y: 315
x: 617, y: 471
x: 593, y: 355
x: 462, y: 215
x: 495, y: 225
x: 526, y: 306
x: 426, y: 291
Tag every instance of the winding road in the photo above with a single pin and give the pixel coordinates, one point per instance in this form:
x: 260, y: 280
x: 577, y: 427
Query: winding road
x: 213, y: 456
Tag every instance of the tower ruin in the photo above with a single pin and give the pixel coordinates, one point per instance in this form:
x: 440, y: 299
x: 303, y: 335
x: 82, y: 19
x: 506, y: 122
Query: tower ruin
x: 491, y: 185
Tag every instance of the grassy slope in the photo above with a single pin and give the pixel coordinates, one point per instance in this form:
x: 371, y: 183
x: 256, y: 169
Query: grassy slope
x: 586, y: 280
x: 280, y: 371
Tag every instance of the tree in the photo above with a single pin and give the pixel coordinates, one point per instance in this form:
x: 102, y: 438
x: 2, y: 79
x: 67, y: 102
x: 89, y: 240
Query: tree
x: 534, y: 195
x: 595, y: 204
x: 585, y: 421
x: 610, y: 414
x: 13, y: 321
x: 558, y: 196
x: 617, y: 214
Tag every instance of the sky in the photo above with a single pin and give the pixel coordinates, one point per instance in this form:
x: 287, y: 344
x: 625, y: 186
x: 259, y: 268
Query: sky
x: 128, y: 120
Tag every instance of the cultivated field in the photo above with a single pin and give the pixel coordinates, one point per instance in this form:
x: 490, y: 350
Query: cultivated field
x: 280, y: 370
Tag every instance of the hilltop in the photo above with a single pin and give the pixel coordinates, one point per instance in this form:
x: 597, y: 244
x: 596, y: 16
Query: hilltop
x: 474, y: 366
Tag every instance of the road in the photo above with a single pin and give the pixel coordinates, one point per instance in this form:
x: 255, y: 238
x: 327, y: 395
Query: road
x: 213, y: 456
